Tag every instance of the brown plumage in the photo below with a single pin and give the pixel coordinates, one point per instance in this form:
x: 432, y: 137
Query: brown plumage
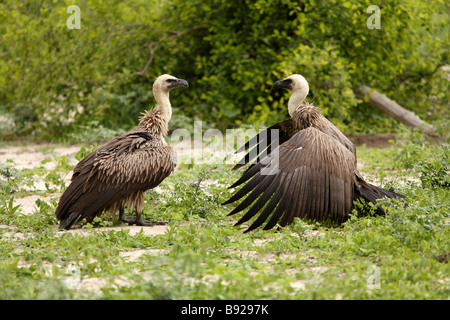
x: 121, y: 170
x: 304, y: 167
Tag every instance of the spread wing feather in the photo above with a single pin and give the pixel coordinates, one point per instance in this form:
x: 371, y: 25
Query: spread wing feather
x: 263, y: 142
x: 309, y: 175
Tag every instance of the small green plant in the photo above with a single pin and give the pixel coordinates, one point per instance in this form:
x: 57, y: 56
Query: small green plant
x: 434, y: 172
x: 7, y: 207
x: 84, y: 152
x: 9, y: 178
x: 97, y: 222
x: 57, y: 176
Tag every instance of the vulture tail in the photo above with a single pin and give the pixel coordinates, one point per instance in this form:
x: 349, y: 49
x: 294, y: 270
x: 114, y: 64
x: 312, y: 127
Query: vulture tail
x: 373, y: 193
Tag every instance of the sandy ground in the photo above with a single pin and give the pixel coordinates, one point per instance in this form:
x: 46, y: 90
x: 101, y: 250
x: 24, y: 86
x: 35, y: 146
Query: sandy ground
x: 31, y: 156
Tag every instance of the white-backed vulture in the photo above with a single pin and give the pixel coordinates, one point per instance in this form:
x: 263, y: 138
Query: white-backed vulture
x: 121, y: 170
x: 311, y: 171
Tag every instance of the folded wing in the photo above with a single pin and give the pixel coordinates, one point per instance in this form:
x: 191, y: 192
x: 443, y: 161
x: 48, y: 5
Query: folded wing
x: 123, y: 166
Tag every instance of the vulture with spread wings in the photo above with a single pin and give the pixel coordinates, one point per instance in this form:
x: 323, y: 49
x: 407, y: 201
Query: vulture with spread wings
x: 120, y: 171
x: 304, y: 167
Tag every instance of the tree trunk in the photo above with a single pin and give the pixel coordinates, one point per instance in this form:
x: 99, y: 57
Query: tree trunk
x: 393, y: 109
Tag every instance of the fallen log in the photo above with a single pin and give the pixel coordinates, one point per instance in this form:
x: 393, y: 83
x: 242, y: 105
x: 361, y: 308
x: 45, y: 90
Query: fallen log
x: 393, y: 109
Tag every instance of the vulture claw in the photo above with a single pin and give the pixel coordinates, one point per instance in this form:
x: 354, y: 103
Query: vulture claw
x: 137, y: 220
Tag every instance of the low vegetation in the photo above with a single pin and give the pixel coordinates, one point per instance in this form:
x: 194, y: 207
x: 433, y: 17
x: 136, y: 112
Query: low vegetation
x: 403, y: 255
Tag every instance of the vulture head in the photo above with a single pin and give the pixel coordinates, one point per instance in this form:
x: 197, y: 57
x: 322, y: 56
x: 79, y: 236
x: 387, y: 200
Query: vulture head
x: 166, y: 82
x: 299, y: 87
x: 161, y: 88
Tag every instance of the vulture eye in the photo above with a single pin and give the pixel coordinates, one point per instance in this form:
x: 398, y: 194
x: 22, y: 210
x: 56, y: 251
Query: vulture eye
x: 170, y: 80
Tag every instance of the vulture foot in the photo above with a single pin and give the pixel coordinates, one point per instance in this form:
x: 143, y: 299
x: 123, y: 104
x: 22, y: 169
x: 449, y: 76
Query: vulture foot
x: 137, y: 220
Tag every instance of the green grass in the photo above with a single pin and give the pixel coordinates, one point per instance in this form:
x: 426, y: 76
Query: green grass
x: 202, y: 256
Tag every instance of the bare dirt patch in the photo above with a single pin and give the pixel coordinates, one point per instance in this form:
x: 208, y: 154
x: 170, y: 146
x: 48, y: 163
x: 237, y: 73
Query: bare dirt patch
x: 148, y: 230
x: 31, y: 156
x: 381, y: 140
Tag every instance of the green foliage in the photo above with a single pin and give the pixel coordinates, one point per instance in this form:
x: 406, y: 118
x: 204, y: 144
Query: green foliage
x: 435, y: 172
x: 8, y: 207
x: 84, y: 152
x: 202, y: 256
x: 244, y: 46
x: 8, y: 178
x: 57, y: 82
x: 71, y: 77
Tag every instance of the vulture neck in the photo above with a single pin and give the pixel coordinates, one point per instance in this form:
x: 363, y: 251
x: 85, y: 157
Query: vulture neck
x: 157, y: 120
x: 297, y: 97
x: 163, y: 105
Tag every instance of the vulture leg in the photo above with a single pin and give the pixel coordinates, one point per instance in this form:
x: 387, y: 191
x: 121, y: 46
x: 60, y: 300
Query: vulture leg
x: 126, y: 219
x: 137, y: 220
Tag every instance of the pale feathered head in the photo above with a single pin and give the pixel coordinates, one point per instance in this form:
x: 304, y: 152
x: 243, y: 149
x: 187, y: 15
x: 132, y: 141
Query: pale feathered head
x: 161, y: 88
x: 166, y: 82
x: 295, y: 83
x: 299, y: 87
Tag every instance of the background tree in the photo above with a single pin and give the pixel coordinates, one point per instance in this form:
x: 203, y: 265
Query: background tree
x: 56, y: 81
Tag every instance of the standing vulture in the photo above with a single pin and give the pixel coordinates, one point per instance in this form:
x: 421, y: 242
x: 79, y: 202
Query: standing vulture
x: 311, y: 171
x: 121, y: 170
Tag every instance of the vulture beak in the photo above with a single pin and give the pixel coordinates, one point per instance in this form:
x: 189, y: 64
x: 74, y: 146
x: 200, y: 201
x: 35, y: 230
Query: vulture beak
x: 283, y: 84
x: 178, y: 83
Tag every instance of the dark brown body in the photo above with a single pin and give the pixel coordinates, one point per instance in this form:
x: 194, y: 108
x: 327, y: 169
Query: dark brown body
x: 117, y: 173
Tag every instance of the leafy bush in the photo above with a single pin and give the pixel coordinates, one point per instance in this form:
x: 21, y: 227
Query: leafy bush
x: 55, y: 80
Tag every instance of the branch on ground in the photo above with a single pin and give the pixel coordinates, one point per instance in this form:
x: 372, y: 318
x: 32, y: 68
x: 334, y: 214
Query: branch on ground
x: 393, y: 109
